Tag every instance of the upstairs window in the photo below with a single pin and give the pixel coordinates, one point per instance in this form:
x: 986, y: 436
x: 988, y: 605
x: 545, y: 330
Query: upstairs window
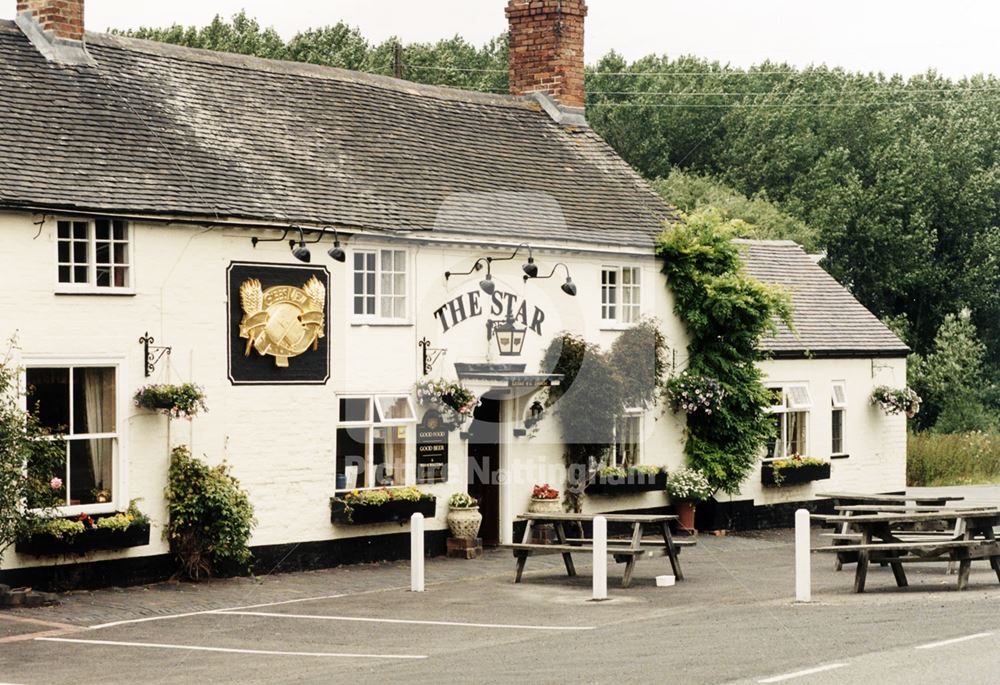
x: 94, y: 254
x: 620, y: 293
x: 380, y: 284
x: 790, y: 407
x: 837, y: 416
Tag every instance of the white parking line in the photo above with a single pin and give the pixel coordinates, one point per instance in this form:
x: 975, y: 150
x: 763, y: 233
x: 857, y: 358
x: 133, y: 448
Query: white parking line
x: 942, y: 643
x: 264, y: 652
x: 211, y: 611
x: 799, y: 674
x: 401, y: 620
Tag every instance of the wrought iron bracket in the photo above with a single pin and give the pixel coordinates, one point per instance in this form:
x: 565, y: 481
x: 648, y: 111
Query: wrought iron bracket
x: 430, y: 354
x: 152, y: 353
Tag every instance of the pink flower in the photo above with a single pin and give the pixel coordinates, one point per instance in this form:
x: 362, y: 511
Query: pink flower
x: 56, y: 483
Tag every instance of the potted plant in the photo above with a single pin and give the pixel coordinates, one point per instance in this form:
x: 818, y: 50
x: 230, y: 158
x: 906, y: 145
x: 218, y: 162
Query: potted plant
x: 793, y: 470
x: 464, y: 518
x: 686, y: 487
x: 85, y: 533
x: 620, y: 480
x: 175, y: 401
x: 694, y: 394
x: 381, y: 505
x: 455, y: 402
x: 896, y: 400
x: 544, y: 500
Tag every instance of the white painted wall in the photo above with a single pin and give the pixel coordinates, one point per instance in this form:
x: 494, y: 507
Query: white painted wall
x: 280, y: 439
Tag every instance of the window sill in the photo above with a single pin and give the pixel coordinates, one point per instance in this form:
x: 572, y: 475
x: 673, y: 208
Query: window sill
x: 612, y: 326
x: 388, y: 323
x: 840, y: 456
x: 94, y: 290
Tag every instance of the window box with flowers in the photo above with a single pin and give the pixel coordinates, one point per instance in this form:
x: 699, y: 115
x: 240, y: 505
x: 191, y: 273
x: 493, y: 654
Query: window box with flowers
x: 620, y: 480
x: 382, y: 505
x: 455, y: 402
x: 175, y: 401
x: 793, y: 470
x: 83, y: 533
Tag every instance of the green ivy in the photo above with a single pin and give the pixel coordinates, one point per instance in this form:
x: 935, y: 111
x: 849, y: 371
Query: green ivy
x: 210, y: 516
x: 726, y: 313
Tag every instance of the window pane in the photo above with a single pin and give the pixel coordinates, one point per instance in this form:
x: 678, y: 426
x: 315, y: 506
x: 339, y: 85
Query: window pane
x: 837, y: 446
x: 395, y: 409
x: 359, y: 282
x: 798, y: 397
x: 359, y: 305
x: 121, y: 230
x: 359, y: 261
x: 90, y: 470
x: 399, y: 284
x: 386, y: 308
x: 62, y: 229
x: 63, y: 251
x: 352, y: 455
x: 355, y: 409
x: 80, y: 251
x: 64, y: 274
x: 121, y: 253
x: 102, y: 229
x: 103, y: 276
x: 93, y: 400
x: 79, y: 274
x: 387, y: 256
x: 370, y: 261
x: 121, y: 277
x: 389, y: 456
x: 370, y: 305
x: 48, y: 397
x: 58, y: 472
x: 80, y: 230
x: 839, y: 395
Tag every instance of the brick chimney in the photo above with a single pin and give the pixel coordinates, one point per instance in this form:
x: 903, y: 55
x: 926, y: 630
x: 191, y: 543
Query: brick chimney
x: 59, y: 18
x: 546, y: 48
x: 55, y: 28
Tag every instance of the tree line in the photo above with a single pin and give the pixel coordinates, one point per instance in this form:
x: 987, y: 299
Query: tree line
x: 896, y: 181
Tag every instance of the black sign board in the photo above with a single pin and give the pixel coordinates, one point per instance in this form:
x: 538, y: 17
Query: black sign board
x: 432, y: 449
x: 287, y: 314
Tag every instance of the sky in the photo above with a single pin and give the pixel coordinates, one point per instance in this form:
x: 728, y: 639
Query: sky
x: 890, y: 36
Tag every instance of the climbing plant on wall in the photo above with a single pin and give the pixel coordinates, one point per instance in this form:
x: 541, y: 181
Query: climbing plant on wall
x: 726, y: 313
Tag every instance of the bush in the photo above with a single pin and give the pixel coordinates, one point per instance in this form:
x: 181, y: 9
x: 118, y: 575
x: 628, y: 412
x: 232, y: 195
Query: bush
x: 957, y: 459
x: 210, y: 517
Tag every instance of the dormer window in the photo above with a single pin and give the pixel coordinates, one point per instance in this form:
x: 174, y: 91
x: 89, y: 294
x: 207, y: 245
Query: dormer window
x: 94, y: 255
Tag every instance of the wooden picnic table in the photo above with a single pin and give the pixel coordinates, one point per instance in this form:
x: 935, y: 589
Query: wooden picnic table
x: 625, y: 551
x: 972, y: 539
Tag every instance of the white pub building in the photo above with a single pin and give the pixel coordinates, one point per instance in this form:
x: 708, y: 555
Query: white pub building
x: 307, y: 244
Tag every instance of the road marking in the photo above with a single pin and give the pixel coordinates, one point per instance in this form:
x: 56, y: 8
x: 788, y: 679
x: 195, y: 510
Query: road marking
x: 952, y: 641
x: 402, y: 620
x: 263, y: 652
x: 211, y: 611
x: 799, y: 674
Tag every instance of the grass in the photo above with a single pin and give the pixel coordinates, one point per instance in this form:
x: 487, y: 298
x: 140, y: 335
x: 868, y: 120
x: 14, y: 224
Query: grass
x: 952, y: 459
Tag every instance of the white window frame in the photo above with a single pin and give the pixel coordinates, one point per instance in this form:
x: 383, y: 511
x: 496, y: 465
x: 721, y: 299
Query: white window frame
x: 119, y: 462
x: 795, y: 399
x: 376, y: 316
x: 839, y: 405
x: 91, y: 287
x: 374, y: 421
x: 616, y: 314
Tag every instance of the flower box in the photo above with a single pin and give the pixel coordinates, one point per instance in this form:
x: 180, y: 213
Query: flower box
x: 794, y: 475
x: 47, y: 544
x: 388, y: 512
x: 633, y: 483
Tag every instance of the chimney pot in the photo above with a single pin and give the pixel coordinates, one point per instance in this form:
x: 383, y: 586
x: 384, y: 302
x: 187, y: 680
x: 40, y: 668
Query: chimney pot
x: 546, y: 49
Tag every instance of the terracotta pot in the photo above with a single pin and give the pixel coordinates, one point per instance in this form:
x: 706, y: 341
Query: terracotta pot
x: 464, y: 523
x: 685, y: 510
x: 545, y: 506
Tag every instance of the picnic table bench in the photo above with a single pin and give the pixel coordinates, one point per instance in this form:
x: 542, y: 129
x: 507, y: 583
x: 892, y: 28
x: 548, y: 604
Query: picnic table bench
x: 623, y: 550
x: 972, y: 539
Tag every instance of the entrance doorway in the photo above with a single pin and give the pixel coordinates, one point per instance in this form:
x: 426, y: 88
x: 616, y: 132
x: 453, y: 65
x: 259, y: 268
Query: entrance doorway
x: 484, y: 466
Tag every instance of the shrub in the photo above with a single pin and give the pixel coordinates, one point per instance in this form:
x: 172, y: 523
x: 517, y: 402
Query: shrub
x: 934, y: 459
x: 210, y: 516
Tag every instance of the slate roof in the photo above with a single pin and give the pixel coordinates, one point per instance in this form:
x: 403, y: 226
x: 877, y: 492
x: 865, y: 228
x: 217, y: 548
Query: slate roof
x: 829, y: 321
x: 159, y: 129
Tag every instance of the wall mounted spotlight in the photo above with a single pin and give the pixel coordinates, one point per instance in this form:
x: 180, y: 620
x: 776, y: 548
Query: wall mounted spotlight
x: 488, y: 285
x: 569, y: 287
x: 336, y: 252
x: 529, y: 268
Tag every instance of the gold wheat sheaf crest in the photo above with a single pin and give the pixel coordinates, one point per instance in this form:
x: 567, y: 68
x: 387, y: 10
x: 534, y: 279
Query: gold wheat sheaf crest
x: 282, y: 321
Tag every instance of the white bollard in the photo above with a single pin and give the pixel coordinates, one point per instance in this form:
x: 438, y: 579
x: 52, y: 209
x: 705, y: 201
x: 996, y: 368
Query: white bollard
x: 417, y: 553
x: 803, y: 582
x: 600, y: 558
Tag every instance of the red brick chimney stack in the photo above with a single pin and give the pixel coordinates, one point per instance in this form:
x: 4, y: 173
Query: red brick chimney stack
x: 546, y: 48
x: 60, y: 18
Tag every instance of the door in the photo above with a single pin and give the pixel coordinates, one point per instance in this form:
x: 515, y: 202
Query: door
x: 484, y: 466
